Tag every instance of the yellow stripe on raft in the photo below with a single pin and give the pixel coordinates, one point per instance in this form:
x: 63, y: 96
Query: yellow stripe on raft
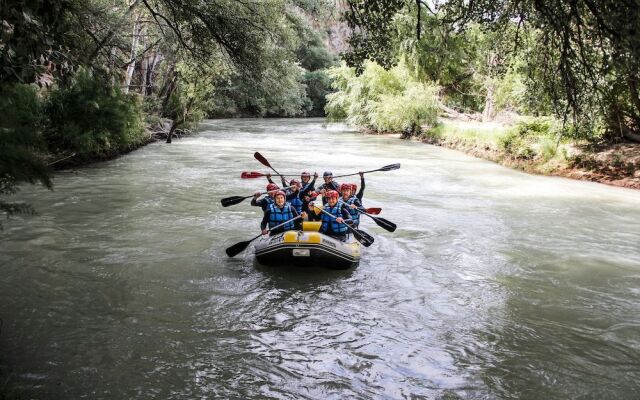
x: 311, y: 226
x: 310, y: 237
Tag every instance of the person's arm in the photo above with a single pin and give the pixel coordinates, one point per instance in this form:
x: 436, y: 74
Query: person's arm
x: 255, y: 202
x: 361, y: 191
x: 265, y: 219
x: 269, y: 178
x: 344, y: 211
x: 284, y: 181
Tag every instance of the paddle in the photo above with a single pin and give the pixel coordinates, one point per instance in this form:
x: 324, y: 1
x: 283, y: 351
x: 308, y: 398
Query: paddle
x: 264, y: 162
x: 374, y: 211
x: 390, y: 167
x: 381, y: 222
x: 254, y: 174
x: 229, y: 201
x: 239, y: 247
x: 361, y: 236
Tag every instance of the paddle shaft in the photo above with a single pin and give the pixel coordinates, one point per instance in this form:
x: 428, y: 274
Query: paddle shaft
x: 357, y: 173
x: 265, y: 162
x: 381, y: 222
x: 261, y: 193
x: 277, y: 226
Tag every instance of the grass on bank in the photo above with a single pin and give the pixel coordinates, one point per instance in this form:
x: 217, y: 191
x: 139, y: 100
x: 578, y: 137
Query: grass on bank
x: 532, y: 143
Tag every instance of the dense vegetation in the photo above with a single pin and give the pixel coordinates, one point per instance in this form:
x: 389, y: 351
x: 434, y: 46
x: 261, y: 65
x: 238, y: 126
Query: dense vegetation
x: 85, y: 80
x: 575, y: 60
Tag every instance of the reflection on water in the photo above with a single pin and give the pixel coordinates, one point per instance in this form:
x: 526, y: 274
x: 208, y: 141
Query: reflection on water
x: 496, y: 284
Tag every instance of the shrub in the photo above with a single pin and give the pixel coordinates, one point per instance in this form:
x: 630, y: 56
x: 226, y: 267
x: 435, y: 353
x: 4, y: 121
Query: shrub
x: 92, y: 118
x: 382, y: 100
x: 21, y: 144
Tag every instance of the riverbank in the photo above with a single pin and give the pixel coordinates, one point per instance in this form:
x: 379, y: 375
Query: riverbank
x: 514, y: 146
x: 152, y: 133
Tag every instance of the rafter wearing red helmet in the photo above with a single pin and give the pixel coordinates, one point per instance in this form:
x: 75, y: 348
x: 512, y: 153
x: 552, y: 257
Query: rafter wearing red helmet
x: 335, y: 227
x: 266, y: 200
x: 278, y: 212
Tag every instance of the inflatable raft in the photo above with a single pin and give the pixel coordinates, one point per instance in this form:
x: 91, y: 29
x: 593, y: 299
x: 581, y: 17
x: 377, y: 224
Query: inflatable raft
x: 308, y: 247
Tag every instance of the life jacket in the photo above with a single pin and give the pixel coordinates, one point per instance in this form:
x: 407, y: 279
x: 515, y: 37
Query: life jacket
x: 279, y: 215
x: 327, y: 221
x: 355, y: 215
x: 297, y: 202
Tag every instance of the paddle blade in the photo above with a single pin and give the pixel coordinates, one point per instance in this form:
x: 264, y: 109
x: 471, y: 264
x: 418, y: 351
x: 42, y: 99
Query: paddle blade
x: 251, y: 175
x: 385, y: 224
x: 373, y: 211
x: 229, y: 201
x: 262, y: 160
x: 237, y: 248
x: 363, y: 237
x: 390, y: 167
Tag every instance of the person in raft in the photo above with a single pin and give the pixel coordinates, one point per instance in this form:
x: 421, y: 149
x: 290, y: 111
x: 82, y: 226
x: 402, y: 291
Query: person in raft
x: 278, y: 212
x: 329, y: 184
x: 267, y: 200
x: 295, y: 195
x: 352, y: 202
x: 335, y: 226
x: 305, y: 177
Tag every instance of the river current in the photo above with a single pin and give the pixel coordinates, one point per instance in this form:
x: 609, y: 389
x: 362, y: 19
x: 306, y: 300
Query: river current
x: 497, y: 284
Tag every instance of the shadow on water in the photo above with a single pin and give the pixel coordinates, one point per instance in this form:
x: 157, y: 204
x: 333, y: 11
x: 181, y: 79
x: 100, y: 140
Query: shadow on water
x: 306, y: 278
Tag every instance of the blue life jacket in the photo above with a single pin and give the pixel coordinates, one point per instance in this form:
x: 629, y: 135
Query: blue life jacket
x: 327, y: 221
x: 296, y: 202
x: 355, y: 215
x: 279, y: 215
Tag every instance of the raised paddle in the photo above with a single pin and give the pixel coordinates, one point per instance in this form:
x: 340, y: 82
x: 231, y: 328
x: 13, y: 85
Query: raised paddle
x: 254, y: 174
x: 266, y: 163
x: 229, y: 201
x: 239, y: 247
x: 361, y: 236
x: 389, y: 167
x: 381, y: 222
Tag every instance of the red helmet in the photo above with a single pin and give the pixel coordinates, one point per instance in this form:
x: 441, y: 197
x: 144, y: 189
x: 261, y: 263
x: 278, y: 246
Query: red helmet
x: 272, y: 186
x: 345, y: 186
x: 294, y: 182
x: 280, y: 193
x: 354, y: 187
x: 305, y: 173
x: 332, y: 194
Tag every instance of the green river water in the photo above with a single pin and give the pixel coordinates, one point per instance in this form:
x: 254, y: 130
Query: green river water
x: 497, y: 284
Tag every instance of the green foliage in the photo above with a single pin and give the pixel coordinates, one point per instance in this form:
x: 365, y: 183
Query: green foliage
x: 416, y: 106
x: 91, y: 118
x: 318, y: 86
x: 529, y: 139
x: 21, y: 144
x: 281, y: 92
x: 382, y: 100
x: 34, y: 37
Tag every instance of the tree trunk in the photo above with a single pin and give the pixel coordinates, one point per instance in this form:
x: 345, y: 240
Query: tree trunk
x: 489, y: 111
x: 134, y: 50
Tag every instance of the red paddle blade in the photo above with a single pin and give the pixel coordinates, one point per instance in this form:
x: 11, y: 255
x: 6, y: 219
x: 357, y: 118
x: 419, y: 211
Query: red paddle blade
x: 251, y: 175
x: 374, y: 211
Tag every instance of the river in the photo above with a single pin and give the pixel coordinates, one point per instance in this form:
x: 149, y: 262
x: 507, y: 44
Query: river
x: 497, y: 284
